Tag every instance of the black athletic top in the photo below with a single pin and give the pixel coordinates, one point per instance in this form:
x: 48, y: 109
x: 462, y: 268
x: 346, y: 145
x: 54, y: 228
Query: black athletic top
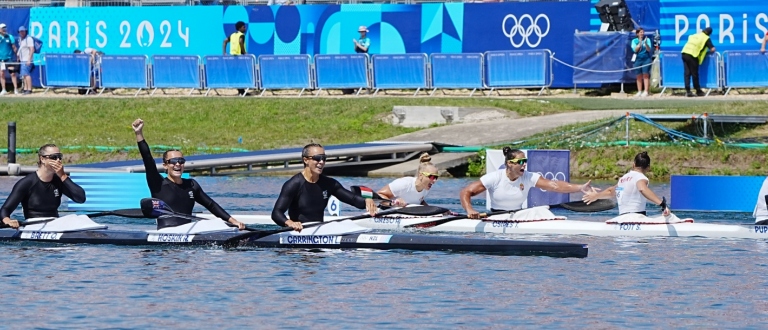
x: 40, y: 199
x: 306, y: 201
x: 179, y: 197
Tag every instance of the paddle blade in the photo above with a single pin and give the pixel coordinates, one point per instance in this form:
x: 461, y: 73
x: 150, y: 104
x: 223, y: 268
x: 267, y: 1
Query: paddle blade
x: 421, y: 210
x: 597, y: 206
x: 153, y: 207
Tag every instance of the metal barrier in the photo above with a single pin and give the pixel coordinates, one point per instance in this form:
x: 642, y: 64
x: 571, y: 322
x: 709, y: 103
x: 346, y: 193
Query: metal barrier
x: 518, y: 69
x: 176, y: 72
x: 67, y: 71
x: 457, y: 71
x: 342, y: 71
x: 745, y: 69
x: 230, y: 72
x: 672, y: 71
x: 129, y: 71
x: 285, y: 72
x: 406, y: 71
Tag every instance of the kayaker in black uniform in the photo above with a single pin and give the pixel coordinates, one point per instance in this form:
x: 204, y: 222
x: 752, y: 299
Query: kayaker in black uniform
x: 40, y: 192
x: 179, y: 194
x: 305, y: 195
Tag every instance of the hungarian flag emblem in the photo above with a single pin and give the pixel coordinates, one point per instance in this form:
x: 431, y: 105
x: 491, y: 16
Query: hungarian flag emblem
x: 366, y: 192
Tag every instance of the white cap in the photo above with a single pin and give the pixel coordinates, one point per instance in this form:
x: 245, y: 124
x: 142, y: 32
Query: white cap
x: 2, y: 25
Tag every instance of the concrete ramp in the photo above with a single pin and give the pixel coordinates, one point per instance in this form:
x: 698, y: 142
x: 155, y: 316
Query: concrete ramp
x: 443, y: 161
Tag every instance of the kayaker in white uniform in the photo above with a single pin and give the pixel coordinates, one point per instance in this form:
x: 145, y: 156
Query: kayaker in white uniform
x: 632, y: 190
x: 412, y: 190
x: 509, y: 187
x: 761, y: 211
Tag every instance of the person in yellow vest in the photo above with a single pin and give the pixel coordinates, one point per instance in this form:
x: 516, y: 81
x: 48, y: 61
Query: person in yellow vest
x: 694, y: 52
x: 236, y: 43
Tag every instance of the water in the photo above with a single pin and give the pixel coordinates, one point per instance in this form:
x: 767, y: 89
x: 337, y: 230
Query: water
x: 638, y: 283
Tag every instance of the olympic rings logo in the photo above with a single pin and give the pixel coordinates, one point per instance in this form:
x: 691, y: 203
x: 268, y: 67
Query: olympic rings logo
x: 524, y: 32
x: 559, y: 176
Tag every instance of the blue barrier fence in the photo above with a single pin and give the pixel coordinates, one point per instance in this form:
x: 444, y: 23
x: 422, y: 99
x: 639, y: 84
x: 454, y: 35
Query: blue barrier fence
x: 67, y: 70
x: 176, y: 72
x: 672, y: 70
x: 745, y: 69
x: 492, y: 70
x: 407, y: 71
x: 446, y: 73
x: 285, y: 72
x: 516, y: 69
x: 124, y: 72
x: 230, y: 72
x: 342, y: 71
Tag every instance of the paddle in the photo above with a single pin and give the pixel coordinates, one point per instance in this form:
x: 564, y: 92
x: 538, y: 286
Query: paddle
x: 153, y: 208
x: 128, y: 213
x: 420, y: 210
x: 576, y: 206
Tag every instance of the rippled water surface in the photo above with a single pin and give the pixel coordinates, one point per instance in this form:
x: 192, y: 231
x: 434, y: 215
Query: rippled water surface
x: 625, y: 282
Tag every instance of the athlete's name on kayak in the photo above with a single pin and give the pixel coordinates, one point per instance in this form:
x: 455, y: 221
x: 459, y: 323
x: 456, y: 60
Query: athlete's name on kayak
x: 386, y: 220
x: 41, y: 235
x: 170, y: 238
x: 310, y: 239
x: 761, y: 229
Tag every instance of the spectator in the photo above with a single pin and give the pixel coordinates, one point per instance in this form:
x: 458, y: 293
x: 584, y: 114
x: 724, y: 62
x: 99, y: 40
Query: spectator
x: 25, y: 52
x: 7, y: 53
x: 94, y: 66
x: 765, y: 40
x: 694, y: 52
x: 362, y: 44
x: 642, y: 48
x: 236, y: 42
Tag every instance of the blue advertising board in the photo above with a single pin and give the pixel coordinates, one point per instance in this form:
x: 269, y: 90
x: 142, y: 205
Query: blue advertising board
x: 184, y: 30
x: 738, y: 26
x: 714, y: 193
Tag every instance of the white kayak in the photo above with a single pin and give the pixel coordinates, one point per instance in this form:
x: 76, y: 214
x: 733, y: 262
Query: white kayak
x: 540, y: 220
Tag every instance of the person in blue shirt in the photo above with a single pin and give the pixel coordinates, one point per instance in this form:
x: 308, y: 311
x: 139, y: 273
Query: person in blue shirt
x: 7, y: 54
x: 641, y: 46
x: 362, y: 43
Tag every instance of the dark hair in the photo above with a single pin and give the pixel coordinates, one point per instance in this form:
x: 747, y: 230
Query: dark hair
x: 77, y: 51
x: 707, y: 31
x: 510, y: 153
x: 639, y: 29
x: 239, y: 25
x: 642, y: 160
x: 165, y: 154
x: 41, y: 150
x: 305, y: 151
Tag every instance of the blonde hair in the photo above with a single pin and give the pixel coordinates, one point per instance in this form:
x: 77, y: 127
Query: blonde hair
x: 424, y: 162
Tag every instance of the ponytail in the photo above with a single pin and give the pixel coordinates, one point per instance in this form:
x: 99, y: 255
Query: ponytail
x: 424, y: 162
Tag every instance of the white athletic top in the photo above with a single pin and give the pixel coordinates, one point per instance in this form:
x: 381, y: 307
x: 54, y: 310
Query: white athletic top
x: 628, y: 196
x: 761, y: 212
x: 506, y: 194
x: 405, y: 188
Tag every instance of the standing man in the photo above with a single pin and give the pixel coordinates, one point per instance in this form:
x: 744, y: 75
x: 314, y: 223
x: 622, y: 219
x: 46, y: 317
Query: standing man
x: 694, y: 52
x: 236, y: 42
x: 26, y: 51
x: 642, y: 48
x: 7, y: 53
x: 362, y: 44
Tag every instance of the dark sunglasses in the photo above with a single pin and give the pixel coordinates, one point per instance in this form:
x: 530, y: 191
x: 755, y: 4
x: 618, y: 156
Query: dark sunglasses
x: 56, y: 156
x: 318, y: 157
x: 520, y: 161
x: 175, y: 160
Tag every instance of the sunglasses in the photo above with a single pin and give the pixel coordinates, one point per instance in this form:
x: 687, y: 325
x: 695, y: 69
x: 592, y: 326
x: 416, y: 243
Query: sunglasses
x: 56, y: 156
x: 318, y: 157
x: 431, y: 176
x: 518, y: 161
x: 175, y: 160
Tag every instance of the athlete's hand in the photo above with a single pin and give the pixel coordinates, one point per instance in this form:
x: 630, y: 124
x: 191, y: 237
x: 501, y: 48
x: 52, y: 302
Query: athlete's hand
x: 11, y: 223
x: 472, y: 214
x: 399, y: 202
x: 57, y: 166
x: 294, y: 224
x: 240, y: 225
x: 370, y: 206
x: 586, y: 187
x: 137, y: 125
x: 590, y: 196
x: 666, y: 212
